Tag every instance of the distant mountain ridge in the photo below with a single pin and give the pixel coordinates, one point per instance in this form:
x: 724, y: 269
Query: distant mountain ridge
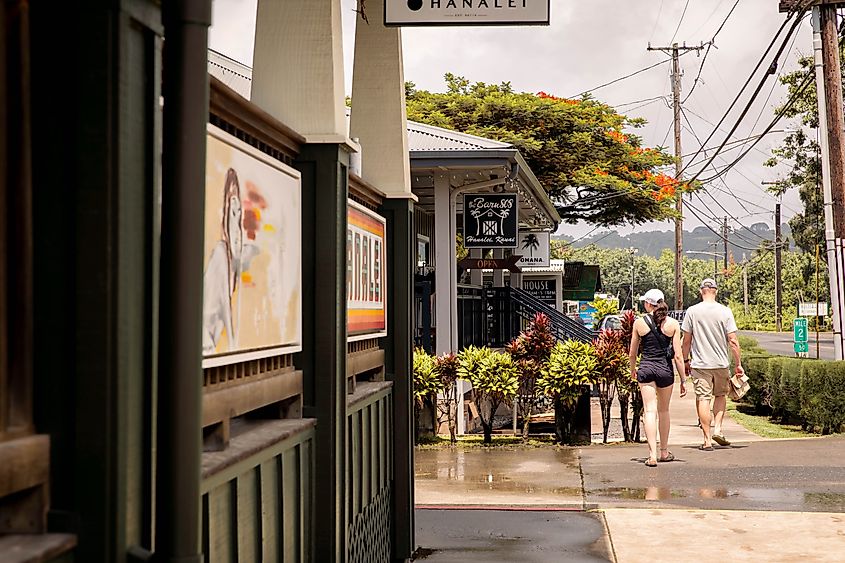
x: 700, y: 239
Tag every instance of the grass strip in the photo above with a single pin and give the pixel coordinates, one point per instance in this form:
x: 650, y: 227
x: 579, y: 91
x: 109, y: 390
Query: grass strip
x: 763, y: 426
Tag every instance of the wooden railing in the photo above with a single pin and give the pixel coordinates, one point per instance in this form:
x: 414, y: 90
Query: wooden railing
x: 256, y: 503
x: 369, y: 475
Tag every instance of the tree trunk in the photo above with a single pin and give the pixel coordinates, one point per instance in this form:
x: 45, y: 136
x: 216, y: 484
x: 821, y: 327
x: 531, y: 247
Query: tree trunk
x: 488, y: 432
x: 636, y: 413
x: 526, y: 420
x: 453, y: 420
x: 623, y: 416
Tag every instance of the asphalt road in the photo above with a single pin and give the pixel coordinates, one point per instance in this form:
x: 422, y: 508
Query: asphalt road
x: 781, y: 343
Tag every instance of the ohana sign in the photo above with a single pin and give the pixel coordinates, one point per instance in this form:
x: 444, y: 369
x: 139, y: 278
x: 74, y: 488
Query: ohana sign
x: 466, y: 12
x: 490, y: 220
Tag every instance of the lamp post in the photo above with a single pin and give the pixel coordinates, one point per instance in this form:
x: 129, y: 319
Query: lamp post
x: 632, y: 251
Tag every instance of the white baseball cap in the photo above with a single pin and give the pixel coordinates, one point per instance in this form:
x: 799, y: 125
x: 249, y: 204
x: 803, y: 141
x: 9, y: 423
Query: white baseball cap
x: 708, y: 283
x: 652, y: 296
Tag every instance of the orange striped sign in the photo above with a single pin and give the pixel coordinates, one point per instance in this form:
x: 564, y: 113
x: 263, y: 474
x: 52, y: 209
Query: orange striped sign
x: 366, y: 278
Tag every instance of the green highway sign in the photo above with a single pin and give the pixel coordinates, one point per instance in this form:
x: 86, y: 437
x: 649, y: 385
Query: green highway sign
x: 801, y: 347
x: 799, y: 331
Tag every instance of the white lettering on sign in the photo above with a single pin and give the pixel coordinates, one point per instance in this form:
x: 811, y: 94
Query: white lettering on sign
x: 365, y: 254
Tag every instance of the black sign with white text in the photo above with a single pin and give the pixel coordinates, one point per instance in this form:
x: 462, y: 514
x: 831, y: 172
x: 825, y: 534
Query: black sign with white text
x: 490, y: 220
x: 544, y: 290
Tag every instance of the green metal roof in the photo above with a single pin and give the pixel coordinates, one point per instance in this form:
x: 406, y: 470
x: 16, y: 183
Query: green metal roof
x: 580, y: 281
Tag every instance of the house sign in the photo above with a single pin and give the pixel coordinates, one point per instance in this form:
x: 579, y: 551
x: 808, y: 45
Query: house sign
x: 490, y: 220
x: 466, y: 12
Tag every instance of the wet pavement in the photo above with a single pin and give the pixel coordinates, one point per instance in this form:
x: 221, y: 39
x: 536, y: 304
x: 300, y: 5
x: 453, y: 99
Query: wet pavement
x: 498, y: 476
x: 510, y: 536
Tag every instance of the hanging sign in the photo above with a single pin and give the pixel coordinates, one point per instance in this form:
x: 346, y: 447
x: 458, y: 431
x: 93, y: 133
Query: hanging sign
x: 366, y: 279
x: 534, y: 248
x: 466, y: 12
x: 813, y: 309
x: 490, y: 220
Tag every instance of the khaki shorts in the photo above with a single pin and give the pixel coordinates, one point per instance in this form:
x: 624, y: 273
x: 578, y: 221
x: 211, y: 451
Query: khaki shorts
x: 709, y: 383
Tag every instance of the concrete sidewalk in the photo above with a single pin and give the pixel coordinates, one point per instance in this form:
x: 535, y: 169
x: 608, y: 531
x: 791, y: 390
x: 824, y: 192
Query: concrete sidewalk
x: 757, y: 500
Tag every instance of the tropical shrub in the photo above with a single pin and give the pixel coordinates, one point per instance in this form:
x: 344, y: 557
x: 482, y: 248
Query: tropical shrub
x: 571, y: 369
x: 426, y: 385
x: 611, y: 368
x: 628, y: 390
x: 603, y: 308
x: 495, y: 380
x: 530, y: 351
x: 446, y: 367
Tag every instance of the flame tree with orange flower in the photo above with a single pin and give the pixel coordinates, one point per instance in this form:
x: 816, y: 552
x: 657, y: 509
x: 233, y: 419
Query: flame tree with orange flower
x: 583, y: 151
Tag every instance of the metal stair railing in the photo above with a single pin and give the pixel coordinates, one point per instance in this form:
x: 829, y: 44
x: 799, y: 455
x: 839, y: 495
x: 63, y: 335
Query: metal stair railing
x: 564, y: 328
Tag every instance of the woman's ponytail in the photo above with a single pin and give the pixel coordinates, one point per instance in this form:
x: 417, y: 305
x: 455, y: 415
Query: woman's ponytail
x: 661, y: 311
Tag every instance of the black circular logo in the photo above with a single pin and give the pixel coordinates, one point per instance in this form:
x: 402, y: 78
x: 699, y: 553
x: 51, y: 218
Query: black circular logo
x: 415, y: 5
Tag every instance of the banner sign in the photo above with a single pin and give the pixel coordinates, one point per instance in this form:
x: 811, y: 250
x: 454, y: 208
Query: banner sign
x: 466, y: 12
x: 535, y: 249
x: 252, y: 286
x: 366, y: 276
x: 490, y: 220
x: 543, y: 289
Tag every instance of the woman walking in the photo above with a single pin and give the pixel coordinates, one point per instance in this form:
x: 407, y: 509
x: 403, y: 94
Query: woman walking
x: 660, y: 337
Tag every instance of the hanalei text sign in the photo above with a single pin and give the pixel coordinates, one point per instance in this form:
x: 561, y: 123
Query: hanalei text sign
x: 490, y: 220
x: 534, y: 247
x: 466, y: 12
x: 366, y: 279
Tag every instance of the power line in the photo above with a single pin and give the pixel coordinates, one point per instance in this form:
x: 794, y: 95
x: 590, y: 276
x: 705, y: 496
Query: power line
x: 750, y: 77
x: 710, y: 44
x: 621, y: 78
x: 684, y: 13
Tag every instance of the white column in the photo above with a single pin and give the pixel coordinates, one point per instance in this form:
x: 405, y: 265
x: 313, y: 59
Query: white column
x: 297, y: 74
x: 498, y: 275
x: 476, y: 276
x: 378, y: 117
x: 444, y: 259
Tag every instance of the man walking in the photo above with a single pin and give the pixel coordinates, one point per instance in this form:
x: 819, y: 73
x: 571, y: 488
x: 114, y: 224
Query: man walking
x: 709, y: 328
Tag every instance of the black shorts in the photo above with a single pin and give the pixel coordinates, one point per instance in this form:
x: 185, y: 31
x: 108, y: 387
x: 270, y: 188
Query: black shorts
x: 660, y: 375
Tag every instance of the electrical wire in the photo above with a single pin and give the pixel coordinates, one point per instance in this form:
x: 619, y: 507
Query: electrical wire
x: 621, y: 78
x: 748, y: 81
x: 710, y: 44
x: 684, y: 13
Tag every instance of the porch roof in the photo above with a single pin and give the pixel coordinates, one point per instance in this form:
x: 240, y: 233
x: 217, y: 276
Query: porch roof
x: 469, y: 159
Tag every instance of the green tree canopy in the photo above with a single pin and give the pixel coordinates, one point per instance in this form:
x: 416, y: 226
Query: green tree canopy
x: 581, y: 150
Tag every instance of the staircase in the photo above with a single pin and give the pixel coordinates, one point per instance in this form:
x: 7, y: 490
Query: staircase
x: 527, y: 306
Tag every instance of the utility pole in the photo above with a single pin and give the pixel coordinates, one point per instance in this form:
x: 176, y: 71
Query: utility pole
x: 675, y: 51
x: 778, y: 297
x: 829, y: 88
x: 745, y: 283
x: 725, y: 240
x: 633, y: 251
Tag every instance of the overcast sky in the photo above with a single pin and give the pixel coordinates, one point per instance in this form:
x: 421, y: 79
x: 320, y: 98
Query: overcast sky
x: 592, y: 42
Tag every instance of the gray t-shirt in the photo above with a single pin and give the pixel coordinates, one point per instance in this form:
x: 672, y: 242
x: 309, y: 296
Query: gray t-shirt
x: 709, y: 323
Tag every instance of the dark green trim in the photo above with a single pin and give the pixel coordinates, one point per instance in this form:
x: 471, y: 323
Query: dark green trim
x: 398, y: 347
x: 323, y: 359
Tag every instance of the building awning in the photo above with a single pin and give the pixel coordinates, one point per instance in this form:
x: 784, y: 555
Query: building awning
x: 580, y: 281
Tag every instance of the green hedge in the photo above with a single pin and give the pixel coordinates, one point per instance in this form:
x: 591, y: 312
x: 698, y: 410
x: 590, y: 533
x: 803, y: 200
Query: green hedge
x: 823, y: 395
x: 809, y: 392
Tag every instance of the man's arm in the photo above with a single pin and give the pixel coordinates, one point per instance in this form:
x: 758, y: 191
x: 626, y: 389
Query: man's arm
x: 733, y: 342
x: 686, y: 345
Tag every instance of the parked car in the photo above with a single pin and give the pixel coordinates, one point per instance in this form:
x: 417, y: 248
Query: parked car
x: 610, y: 322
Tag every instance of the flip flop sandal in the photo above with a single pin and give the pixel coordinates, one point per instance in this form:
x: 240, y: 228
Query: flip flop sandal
x: 721, y: 440
x: 704, y: 448
x: 669, y: 457
x: 650, y: 463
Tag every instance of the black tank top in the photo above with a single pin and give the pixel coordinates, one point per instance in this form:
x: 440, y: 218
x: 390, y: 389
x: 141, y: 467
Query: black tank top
x: 653, y: 349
